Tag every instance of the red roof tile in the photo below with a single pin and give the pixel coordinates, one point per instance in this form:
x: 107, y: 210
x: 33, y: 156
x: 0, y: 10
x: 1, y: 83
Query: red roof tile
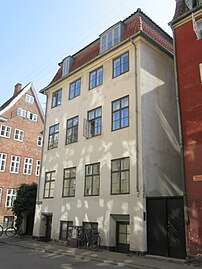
x: 137, y: 22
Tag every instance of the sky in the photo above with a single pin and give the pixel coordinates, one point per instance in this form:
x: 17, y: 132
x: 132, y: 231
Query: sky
x: 38, y: 34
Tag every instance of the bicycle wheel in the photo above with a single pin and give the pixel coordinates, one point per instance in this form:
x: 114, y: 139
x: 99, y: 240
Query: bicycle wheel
x: 10, y: 231
x: 95, y: 242
x: 1, y: 230
x: 82, y: 241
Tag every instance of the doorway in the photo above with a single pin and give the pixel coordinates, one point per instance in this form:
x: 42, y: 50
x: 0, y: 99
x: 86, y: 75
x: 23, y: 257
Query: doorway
x: 123, y: 237
x: 165, y: 227
x: 48, y: 225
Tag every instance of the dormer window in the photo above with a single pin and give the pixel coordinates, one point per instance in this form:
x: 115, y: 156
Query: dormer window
x: 197, y: 26
x: 111, y: 37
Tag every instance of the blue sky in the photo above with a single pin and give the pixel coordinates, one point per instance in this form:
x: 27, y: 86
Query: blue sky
x: 37, y: 34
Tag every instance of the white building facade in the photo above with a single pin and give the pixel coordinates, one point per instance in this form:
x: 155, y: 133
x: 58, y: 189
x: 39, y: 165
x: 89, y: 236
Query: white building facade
x: 111, y: 137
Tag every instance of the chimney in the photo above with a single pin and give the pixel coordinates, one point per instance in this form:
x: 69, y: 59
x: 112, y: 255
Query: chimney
x: 17, y: 89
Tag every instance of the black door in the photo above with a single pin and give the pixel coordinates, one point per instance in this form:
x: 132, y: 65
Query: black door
x: 123, y: 236
x: 165, y: 227
x: 48, y: 228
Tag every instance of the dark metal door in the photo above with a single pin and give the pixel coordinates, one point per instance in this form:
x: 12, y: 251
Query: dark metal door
x: 123, y: 235
x: 156, y: 227
x: 175, y: 226
x: 165, y: 227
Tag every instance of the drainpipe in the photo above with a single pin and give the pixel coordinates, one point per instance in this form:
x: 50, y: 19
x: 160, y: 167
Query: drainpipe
x: 180, y: 135
x: 42, y: 153
x: 137, y: 121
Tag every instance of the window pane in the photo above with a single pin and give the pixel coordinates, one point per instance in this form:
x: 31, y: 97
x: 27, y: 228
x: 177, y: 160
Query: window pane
x: 96, y: 185
x: 115, y: 183
x: 124, y: 102
x: 99, y: 77
x: 109, y: 39
x: 124, y: 63
x: 91, y: 115
x: 116, y: 165
x: 125, y: 164
x: 98, y: 112
x: 116, y: 105
x: 117, y: 67
x: 88, y: 186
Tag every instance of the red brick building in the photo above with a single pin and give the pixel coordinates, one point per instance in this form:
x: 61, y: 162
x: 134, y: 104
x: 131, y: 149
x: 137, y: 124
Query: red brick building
x: 21, y: 139
x: 187, y: 30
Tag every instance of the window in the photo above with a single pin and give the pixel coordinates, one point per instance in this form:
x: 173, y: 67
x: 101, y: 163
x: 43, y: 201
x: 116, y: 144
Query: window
x: 3, y: 157
x: 65, y: 226
x: 111, y: 37
x: 197, y: 26
x: 8, y: 221
x: 69, y: 182
x: 200, y: 70
x: 19, y: 135
x: 120, y: 176
x: 94, y: 123
x: 39, y: 140
x: 120, y: 65
x: 1, y: 194
x: 15, y: 164
x: 28, y: 162
x: 29, y: 98
x: 75, y: 88
x: 32, y: 116
x: 38, y: 164
x: 5, y: 131
x: 72, y: 130
x: 57, y: 98
x: 53, y: 136
x: 21, y: 112
x: 49, y: 184
x: 92, y: 179
x: 10, y: 197
x: 91, y: 225
x: 120, y: 113
x: 96, y: 78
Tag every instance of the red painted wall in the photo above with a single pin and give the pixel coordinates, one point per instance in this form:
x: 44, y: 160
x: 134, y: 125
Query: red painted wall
x: 188, y: 57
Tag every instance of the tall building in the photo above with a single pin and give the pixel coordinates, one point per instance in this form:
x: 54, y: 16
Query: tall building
x: 187, y: 30
x: 111, y: 155
x: 21, y: 138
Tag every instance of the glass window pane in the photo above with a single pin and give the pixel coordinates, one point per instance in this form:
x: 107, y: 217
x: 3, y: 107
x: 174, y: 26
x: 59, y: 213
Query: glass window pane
x: 116, y: 105
x: 115, y: 183
x: 96, y: 185
x: 91, y: 115
x: 116, y: 165
x: 98, y: 112
x: 125, y: 164
x: 124, y: 102
x: 122, y: 239
x: 88, y: 186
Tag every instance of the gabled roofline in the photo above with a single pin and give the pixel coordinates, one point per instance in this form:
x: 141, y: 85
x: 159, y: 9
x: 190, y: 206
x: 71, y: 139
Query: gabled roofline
x: 22, y: 92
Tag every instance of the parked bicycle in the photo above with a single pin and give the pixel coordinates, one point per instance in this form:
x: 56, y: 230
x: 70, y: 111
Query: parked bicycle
x: 88, y: 237
x: 12, y: 231
x: 1, y: 230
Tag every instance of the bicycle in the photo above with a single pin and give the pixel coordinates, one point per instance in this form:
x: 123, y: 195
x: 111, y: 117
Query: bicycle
x: 89, y: 238
x: 1, y: 230
x: 12, y: 231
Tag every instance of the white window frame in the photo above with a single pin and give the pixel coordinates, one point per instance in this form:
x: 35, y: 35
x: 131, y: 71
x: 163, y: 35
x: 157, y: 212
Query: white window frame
x: 197, y: 27
x: 19, y: 135
x: 39, y: 140
x: 200, y: 70
x: 3, y: 158
x: 10, y: 197
x: 38, y: 165
x: 29, y: 98
x: 1, y: 194
x: 32, y: 116
x: 28, y: 163
x: 21, y: 112
x: 5, y: 131
x: 15, y: 164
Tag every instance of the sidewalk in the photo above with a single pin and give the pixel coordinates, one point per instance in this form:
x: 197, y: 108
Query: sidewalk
x: 120, y: 259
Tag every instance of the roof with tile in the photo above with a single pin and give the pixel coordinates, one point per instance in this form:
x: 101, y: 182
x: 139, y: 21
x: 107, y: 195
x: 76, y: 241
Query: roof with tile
x: 137, y: 23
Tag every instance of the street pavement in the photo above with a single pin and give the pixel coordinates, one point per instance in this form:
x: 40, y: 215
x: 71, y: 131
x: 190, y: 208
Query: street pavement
x: 102, y: 256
